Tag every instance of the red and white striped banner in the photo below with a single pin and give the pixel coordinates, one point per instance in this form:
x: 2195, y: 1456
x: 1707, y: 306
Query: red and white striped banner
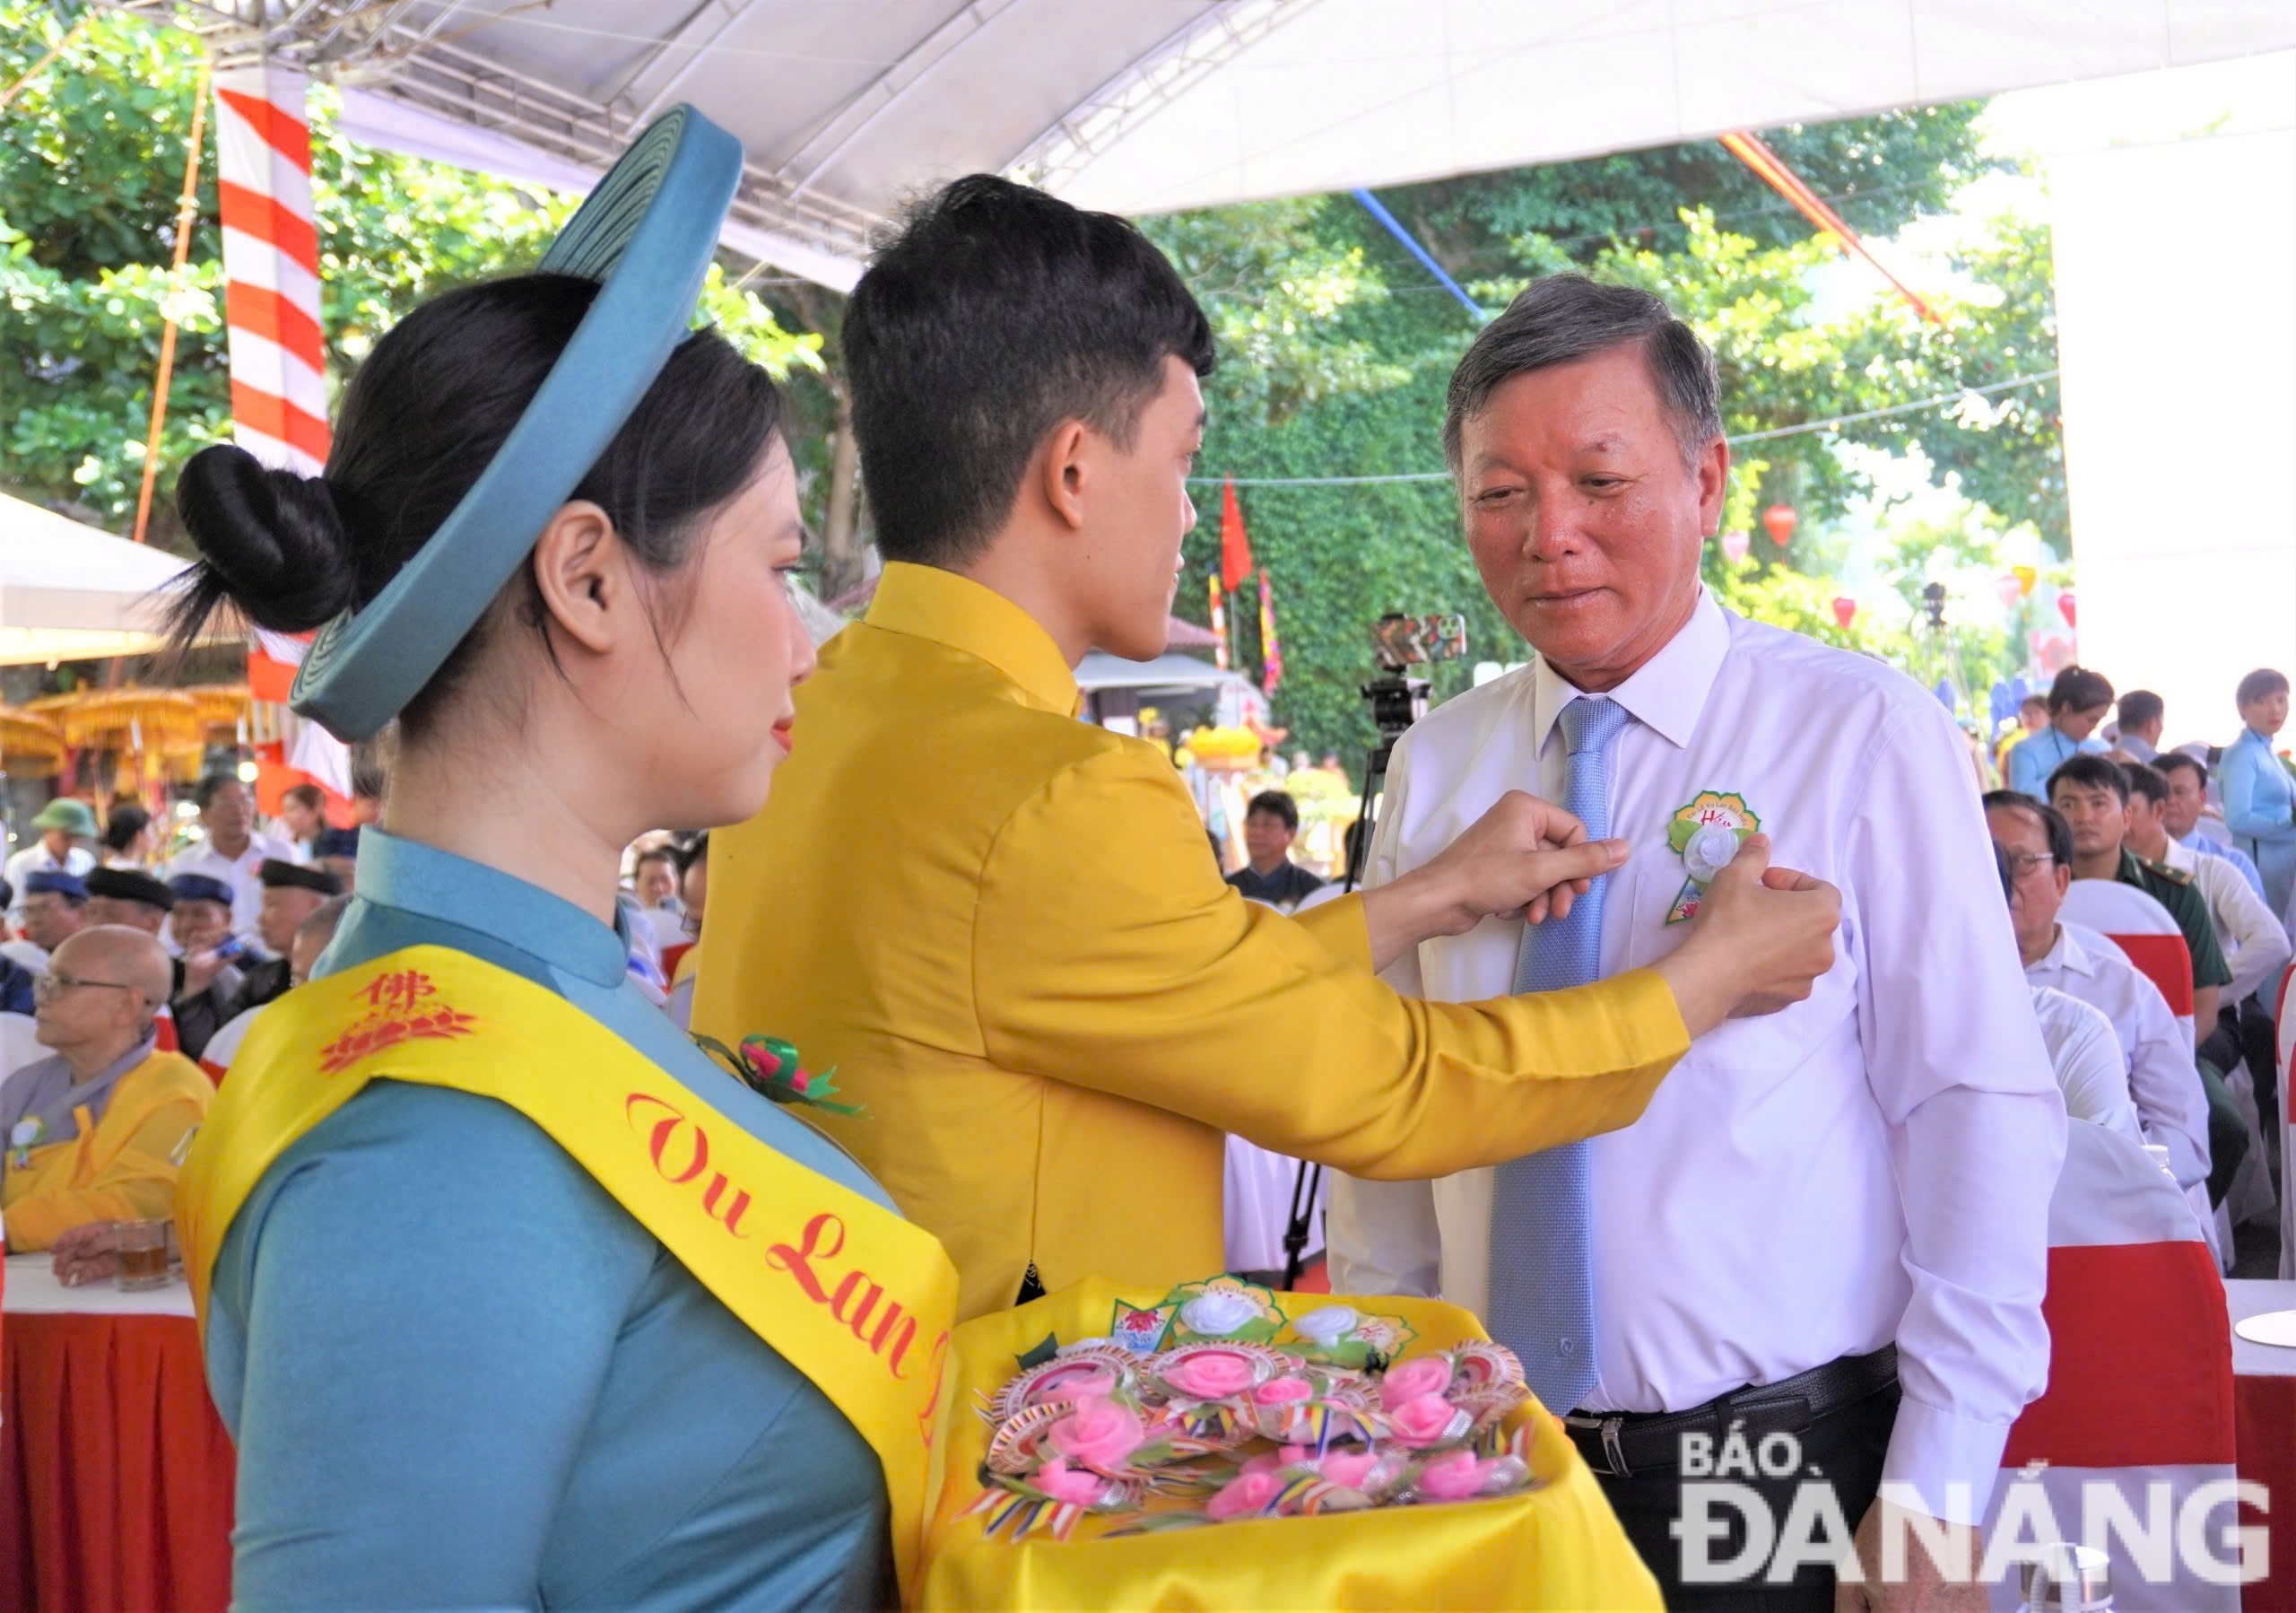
x: 271, y: 264
x: 271, y: 305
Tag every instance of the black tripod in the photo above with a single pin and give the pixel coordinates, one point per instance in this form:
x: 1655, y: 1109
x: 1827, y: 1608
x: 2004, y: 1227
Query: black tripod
x: 1397, y: 702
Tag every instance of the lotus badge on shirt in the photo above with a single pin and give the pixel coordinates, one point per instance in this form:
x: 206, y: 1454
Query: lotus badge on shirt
x: 1707, y: 833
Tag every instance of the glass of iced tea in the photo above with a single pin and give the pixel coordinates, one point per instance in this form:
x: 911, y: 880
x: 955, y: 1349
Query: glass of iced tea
x: 143, y: 1248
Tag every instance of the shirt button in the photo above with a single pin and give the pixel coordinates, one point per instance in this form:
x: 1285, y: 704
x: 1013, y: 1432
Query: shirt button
x: 1570, y: 1346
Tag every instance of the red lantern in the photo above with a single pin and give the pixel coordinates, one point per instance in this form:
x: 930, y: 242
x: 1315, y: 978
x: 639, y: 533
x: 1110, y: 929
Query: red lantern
x: 1735, y: 546
x: 2010, y: 590
x: 2065, y: 607
x: 1778, y: 520
x: 1845, y: 609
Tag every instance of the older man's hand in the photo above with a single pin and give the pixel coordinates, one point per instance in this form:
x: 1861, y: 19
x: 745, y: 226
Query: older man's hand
x: 1762, y: 938
x: 1908, y: 1578
x: 87, y: 1254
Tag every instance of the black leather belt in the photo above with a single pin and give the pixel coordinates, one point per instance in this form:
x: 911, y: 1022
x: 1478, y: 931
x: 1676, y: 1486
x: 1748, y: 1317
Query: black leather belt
x: 1621, y: 1445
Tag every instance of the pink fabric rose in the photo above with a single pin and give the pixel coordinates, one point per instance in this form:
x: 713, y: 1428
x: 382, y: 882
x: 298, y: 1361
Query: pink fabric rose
x: 1284, y: 1391
x: 1348, y: 1469
x: 1426, y: 1421
x: 1073, y: 1485
x: 1247, y: 1493
x: 1409, y: 1380
x: 1099, y: 1434
x: 1454, y: 1477
x: 1275, y: 1460
x: 1211, y: 1375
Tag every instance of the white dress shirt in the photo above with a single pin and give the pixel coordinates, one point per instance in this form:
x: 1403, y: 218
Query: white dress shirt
x: 2086, y: 1057
x: 2256, y: 947
x: 243, y: 874
x: 1871, y: 1166
x: 2170, y: 1103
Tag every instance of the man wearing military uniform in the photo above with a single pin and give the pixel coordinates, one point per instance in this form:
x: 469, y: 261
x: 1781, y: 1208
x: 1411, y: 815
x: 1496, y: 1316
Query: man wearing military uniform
x: 2092, y: 793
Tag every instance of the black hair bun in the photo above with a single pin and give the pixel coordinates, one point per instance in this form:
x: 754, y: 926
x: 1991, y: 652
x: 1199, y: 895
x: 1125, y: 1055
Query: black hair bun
x: 273, y: 540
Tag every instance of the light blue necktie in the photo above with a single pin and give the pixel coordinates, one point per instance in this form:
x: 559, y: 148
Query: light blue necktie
x: 1542, y: 1302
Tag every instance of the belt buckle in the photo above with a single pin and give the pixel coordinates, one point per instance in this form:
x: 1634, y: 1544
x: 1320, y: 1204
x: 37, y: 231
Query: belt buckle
x: 1607, y: 1428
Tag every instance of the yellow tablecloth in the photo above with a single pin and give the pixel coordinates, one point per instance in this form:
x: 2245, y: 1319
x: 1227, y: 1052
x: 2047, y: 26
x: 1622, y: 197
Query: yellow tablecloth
x: 1554, y: 1546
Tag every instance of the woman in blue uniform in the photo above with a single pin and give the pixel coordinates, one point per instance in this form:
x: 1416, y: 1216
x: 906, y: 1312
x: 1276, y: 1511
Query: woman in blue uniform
x: 2077, y: 702
x: 2259, y: 794
x: 552, y: 542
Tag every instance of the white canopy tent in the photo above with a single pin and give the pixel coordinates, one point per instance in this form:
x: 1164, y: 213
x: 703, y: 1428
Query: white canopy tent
x: 70, y: 592
x: 845, y: 107
x: 1167, y: 675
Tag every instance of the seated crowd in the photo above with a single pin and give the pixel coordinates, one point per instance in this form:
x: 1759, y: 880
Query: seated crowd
x: 117, y: 977
x: 124, y: 985
x: 2182, y: 985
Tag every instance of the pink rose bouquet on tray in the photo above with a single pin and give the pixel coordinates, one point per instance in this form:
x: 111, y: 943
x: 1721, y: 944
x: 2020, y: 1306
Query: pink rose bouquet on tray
x: 1220, y: 1430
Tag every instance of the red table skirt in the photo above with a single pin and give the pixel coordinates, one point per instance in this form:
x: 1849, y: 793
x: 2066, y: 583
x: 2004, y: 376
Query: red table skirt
x: 2265, y: 1411
x: 116, y: 1475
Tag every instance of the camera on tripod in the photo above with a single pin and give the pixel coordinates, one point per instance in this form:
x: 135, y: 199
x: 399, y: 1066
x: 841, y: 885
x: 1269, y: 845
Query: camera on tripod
x: 1400, y: 642
x: 1398, y: 701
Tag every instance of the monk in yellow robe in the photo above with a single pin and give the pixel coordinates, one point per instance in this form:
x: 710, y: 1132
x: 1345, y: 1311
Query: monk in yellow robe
x: 97, y: 1131
x: 1002, y: 925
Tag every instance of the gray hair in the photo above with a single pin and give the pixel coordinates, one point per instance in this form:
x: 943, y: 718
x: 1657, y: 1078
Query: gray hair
x: 1565, y: 317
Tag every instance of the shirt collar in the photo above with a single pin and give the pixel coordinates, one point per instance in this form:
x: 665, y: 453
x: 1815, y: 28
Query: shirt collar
x: 53, y: 1075
x: 2180, y: 856
x: 928, y: 603
x: 103, y: 1079
x: 1666, y: 693
x: 2068, y: 952
x: 431, y: 884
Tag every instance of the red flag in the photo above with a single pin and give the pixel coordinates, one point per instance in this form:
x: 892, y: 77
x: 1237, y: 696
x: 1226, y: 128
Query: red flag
x: 1271, y: 653
x: 1235, y: 548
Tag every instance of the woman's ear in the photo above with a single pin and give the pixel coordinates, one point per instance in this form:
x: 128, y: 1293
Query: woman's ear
x: 581, y: 571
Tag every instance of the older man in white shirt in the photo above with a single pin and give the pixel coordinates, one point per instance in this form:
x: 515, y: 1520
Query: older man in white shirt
x: 1824, y: 1206
x: 2035, y: 842
x: 235, y: 850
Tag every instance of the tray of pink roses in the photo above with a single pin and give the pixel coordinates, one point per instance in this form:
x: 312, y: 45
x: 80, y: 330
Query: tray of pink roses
x: 1230, y: 1446
x: 1215, y: 1432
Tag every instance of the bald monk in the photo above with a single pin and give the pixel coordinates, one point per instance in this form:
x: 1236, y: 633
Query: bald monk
x: 96, y: 1133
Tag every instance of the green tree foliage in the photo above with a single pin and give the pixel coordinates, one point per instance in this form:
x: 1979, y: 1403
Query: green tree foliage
x: 1275, y: 287
x: 91, y: 174
x: 1876, y: 173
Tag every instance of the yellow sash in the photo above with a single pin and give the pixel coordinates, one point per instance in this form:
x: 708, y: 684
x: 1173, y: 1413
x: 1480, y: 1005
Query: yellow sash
x: 854, y: 1297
